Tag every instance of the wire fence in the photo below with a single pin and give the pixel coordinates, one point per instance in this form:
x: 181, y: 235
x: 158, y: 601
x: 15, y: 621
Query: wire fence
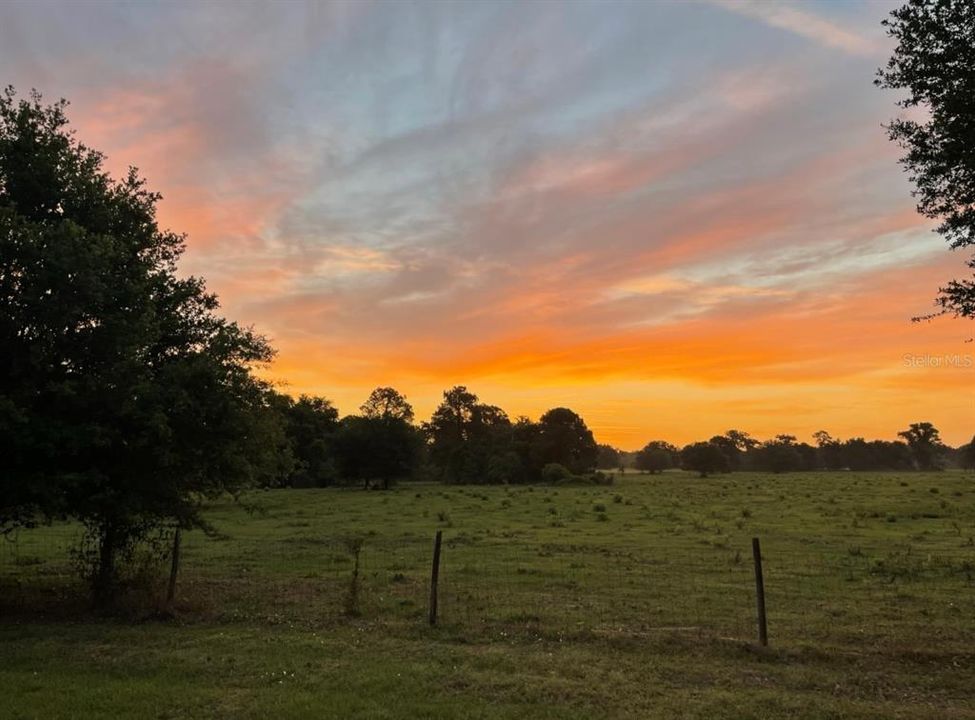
x: 841, y: 591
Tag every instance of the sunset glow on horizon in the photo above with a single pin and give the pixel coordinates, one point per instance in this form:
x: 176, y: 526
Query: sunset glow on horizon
x: 674, y: 218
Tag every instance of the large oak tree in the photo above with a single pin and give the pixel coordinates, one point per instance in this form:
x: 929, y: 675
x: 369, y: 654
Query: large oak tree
x: 125, y: 399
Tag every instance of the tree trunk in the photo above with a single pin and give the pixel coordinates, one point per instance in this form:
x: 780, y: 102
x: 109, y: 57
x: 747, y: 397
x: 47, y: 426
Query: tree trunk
x: 103, y: 585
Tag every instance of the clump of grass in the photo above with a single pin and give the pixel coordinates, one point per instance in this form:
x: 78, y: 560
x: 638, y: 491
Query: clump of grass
x: 602, y: 517
x: 618, y: 499
x: 599, y: 507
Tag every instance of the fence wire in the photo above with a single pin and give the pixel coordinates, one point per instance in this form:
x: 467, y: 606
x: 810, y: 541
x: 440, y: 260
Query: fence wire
x: 849, y: 590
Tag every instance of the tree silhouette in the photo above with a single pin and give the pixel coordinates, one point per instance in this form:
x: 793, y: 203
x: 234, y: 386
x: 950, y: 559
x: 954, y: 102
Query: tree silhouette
x: 564, y: 438
x: 925, y: 443
x: 935, y: 62
x: 125, y: 399
x: 704, y: 458
x: 657, y: 456
x: 387, y: 402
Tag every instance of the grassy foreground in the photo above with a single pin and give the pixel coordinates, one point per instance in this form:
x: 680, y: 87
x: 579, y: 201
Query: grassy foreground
x: 630, y: 601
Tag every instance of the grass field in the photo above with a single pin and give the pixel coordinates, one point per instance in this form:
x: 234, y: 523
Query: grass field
x: 631, y: 601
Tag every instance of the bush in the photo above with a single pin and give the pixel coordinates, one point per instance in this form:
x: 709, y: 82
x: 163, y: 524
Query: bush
x: 556, y: 473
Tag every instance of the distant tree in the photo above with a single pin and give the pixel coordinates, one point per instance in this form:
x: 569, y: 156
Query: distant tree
x: 376, y: 449
x: 935, y: 62
x: 968, y: 455
x: 925, y: 443
x: 704, y: 458
x: 742, y: 440
x: 780, y: 455
x: 311, y: 424
x: 656, y: 456
x: 448, y: 432
x: 730, y: 450
x: 829, y: 450
x: 859, y: 454
x: 608, y: 457
x: 524, y: 443
x: 735, y: 444
x: 823, y: 438
x: 387, y: 402
x: 563, y: 438
x: 125, y: 399
x: 465, y: 435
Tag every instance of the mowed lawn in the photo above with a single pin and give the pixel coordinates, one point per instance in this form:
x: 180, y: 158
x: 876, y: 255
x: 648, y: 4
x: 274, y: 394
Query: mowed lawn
x: 634, y: 600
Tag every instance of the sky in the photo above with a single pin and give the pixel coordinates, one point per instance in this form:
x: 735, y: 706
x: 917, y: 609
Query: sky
x: 674, y: 218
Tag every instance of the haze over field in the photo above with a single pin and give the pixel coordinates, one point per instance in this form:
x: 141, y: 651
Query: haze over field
x: 553, y: 204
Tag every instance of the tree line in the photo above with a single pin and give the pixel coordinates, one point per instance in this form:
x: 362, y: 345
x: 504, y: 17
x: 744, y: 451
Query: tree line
x: 920, y: 448
x: 465, y: 441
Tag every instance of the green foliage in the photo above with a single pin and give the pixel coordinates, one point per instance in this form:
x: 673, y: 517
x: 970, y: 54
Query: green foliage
x: 310, y: 424
x: 657, y: 456
x: 935, y: 62
x: 779, y: 455
x: 464, y: 435
x: 553, y: 473
x: 382, y: 449
x: 704, y: 458
x: 564, y: 438
x: 470, y: 442
x: 125, y: 399
x: 609, y: 458
x: 926, y: 446
x: 968, y: 455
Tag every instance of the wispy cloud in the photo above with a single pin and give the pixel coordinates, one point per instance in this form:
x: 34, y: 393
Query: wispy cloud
x: 624, y: 207
x: 800, y: 21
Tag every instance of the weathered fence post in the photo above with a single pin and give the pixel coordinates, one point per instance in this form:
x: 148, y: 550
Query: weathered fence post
x: 760, y: 593
x: 435, y: 577
x: 173, y: 570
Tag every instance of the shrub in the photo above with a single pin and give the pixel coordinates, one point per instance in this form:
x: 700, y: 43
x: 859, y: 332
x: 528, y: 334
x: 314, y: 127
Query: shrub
x: 555, y: 473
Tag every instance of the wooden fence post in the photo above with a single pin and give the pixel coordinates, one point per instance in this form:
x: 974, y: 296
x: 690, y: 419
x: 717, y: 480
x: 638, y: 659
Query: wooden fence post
x: 435, y: 577
x: 760, y: 593
x: 173, y: 570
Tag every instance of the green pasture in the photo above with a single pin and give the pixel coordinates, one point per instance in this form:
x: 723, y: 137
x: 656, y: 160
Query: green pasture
x: 633, y: 600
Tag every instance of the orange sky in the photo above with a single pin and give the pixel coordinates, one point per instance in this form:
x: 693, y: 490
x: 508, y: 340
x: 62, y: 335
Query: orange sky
x: 674, y: 218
